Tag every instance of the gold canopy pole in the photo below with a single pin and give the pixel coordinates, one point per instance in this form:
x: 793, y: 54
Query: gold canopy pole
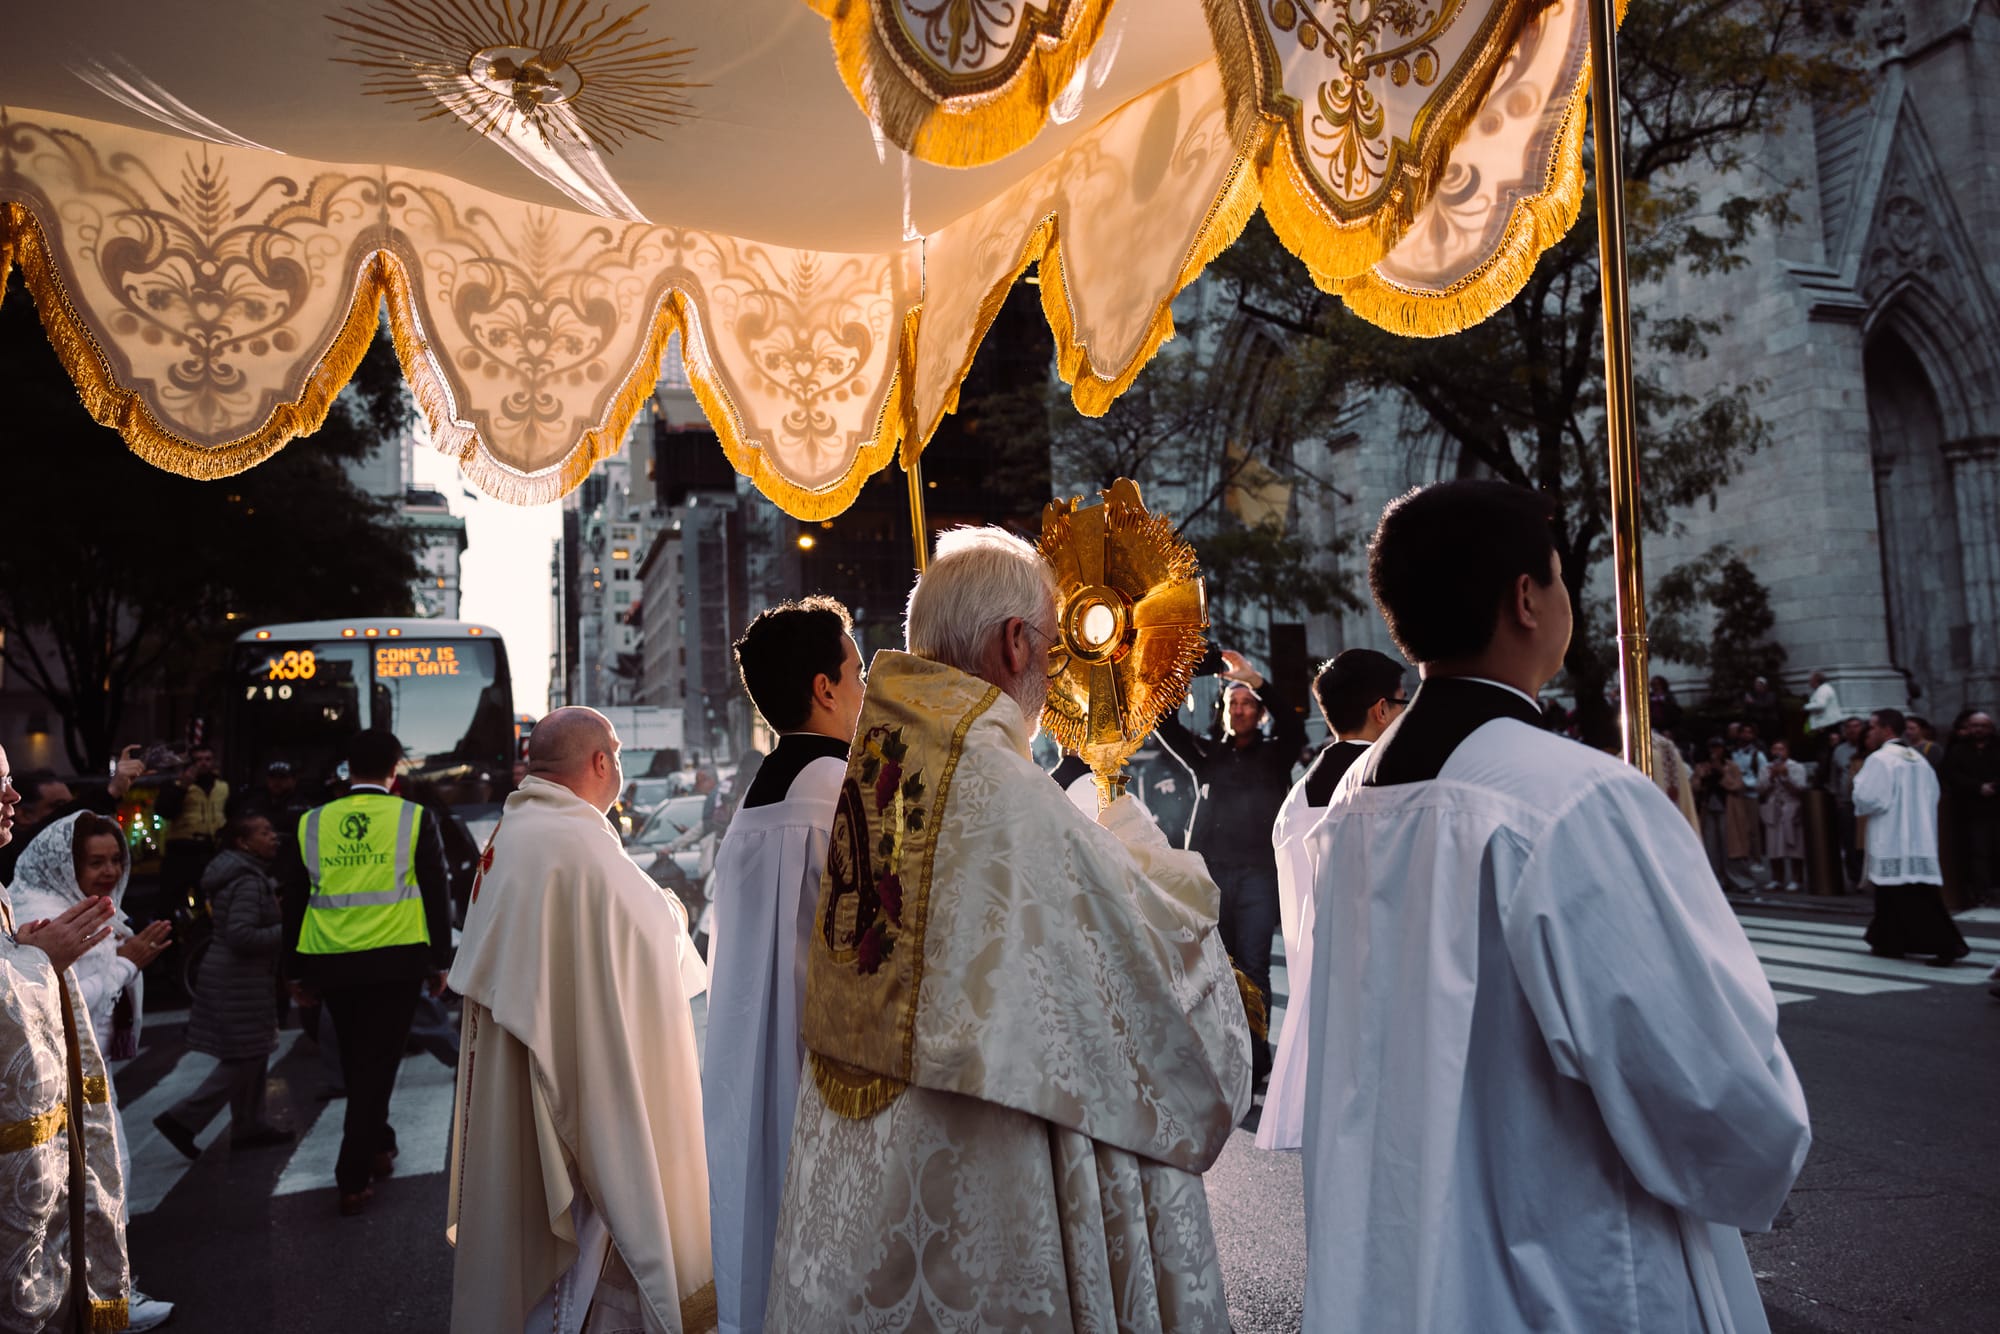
x: 1619, y: 424
x: 913, y: 471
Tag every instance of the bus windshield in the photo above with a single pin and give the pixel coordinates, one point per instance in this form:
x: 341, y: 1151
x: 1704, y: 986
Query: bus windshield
x: 447, y: 697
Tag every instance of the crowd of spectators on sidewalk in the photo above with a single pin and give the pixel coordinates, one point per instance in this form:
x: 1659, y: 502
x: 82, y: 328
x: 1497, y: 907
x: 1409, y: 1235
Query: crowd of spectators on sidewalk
x: 1754, y: 778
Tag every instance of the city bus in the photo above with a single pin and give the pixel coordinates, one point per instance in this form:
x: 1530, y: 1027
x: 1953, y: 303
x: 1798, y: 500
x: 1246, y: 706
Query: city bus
x: 298, y: 691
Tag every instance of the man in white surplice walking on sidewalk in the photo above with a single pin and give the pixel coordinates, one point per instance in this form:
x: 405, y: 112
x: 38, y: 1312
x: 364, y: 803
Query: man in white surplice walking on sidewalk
x: 801, y: 669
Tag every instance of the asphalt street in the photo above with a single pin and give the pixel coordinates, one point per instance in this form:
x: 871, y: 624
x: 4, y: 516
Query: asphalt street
x: 1893, y: 1224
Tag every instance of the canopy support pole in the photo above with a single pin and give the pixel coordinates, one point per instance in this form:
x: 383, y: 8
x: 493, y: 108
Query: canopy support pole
x: 913, y: 472
x: 1619, y: 423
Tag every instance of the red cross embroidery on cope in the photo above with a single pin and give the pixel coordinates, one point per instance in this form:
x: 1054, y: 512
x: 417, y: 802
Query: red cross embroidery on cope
x: 485, y: 865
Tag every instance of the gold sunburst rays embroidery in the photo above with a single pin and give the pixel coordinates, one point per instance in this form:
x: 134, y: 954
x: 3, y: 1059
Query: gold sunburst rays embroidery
x: 554, y: 67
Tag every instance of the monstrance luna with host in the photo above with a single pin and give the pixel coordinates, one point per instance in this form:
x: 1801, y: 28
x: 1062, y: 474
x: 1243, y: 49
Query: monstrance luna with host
x: 1131, y: 609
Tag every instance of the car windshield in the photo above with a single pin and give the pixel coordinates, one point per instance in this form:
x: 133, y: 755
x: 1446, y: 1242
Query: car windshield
x: 645, y: 793
x: 669, y: 820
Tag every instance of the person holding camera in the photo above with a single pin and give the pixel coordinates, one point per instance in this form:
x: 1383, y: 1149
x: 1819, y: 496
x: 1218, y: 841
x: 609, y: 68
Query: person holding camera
x: 46, y: 800
x: 196, y: 806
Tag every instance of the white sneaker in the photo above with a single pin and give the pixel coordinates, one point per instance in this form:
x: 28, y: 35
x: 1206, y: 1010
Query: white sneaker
x: 144, y: 1312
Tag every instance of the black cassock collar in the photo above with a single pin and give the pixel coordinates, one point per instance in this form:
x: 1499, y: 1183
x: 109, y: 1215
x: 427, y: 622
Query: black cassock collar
x: 1329, y: 767
x: 1442, y: 714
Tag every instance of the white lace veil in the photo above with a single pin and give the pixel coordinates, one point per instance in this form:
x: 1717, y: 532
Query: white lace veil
x: 48, y: 865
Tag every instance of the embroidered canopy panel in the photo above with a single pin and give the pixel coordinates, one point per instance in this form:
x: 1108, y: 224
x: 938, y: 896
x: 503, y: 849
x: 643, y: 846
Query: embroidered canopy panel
x: 827, y: 200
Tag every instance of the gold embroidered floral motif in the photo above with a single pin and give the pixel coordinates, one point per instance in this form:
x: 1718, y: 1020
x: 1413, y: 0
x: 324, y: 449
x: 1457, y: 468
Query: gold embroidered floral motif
x: 957, y: 41
x: 961, y: 82
x: 213, y: 316
x: 1393, y: 39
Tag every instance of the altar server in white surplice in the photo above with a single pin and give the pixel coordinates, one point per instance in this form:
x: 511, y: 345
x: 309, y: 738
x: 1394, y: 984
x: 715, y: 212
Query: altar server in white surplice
x: 579, y: 1196
x: 1546, y: 1083
x: 1360, y: 692
x: 1024, y: 1040
x: 802, y: 671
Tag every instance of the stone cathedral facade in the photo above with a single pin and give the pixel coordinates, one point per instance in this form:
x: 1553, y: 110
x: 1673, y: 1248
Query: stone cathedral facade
x: 1873, y: 322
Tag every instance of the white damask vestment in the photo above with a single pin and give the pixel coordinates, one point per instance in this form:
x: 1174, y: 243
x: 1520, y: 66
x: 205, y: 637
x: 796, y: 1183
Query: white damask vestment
x: 1026, y: 1043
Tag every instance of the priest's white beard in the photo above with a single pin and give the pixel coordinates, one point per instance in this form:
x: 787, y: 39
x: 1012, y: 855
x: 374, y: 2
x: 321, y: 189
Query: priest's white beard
x: 1030, y: 690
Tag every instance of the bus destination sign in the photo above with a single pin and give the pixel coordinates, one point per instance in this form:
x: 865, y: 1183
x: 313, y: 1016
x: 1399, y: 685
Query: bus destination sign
x: 416, y: 660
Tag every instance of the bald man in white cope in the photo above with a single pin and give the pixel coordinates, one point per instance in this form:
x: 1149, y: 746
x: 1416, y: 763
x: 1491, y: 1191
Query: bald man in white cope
x: 579, y: 1191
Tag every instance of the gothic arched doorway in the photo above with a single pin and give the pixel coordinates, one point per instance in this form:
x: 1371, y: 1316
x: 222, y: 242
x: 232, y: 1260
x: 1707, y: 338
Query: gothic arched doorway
x: 1923, y: 580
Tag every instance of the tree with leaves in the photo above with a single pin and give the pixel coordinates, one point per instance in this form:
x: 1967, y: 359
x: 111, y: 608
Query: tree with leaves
x: 1521, y: 395
x: 1717, y: 589
x: 116, y: 576
x: 1212, y: 433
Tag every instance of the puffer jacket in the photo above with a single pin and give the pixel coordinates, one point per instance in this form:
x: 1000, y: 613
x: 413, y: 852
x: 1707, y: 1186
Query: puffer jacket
x: 235, y: 1014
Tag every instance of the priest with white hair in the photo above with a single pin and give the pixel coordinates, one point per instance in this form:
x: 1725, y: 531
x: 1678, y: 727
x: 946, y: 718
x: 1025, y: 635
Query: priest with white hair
x: 579, y: 1189
x: 1024, y: 1041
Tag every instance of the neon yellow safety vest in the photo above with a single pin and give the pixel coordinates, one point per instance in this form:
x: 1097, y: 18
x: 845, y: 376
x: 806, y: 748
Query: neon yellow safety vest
x: 361, y: 852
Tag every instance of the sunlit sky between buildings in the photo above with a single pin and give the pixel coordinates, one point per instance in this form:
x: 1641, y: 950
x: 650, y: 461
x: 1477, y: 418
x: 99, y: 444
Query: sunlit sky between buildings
x: 504, y: 577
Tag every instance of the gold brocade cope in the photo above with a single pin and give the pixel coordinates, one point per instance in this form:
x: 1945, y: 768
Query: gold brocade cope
x: 867, y: 952
x: 1131, y: 609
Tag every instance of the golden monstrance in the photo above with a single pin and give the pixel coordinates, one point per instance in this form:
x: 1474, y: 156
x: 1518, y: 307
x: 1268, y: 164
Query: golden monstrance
x: 1130, y: 612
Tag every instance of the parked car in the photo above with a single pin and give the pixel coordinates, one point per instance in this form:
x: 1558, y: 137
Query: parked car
x: 665, y: 843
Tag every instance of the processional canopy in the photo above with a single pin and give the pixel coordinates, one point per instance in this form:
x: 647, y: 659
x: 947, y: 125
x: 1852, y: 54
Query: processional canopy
x: 1131, y: 609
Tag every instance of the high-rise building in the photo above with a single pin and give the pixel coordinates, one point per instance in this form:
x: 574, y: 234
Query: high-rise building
x: 388, y: 474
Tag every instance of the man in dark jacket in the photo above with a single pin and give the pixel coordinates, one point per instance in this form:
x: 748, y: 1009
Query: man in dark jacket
x: 373, y: 929
x: 1242, y: 780
x: 1971, y: 774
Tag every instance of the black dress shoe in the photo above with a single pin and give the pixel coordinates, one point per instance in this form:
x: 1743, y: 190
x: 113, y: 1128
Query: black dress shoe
x: 384, y: 1164
x: 352, y: 1203
x: 176, y: 1134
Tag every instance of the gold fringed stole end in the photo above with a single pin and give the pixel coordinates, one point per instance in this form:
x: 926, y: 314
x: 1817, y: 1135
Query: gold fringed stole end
x: 850, y: 1093
x: 109, y: 1315
x: 865, y: 966
x: 699, y: 1311
x: 1253, y: 1005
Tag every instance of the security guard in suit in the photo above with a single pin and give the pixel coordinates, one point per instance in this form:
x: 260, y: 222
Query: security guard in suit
x: 374, y: 928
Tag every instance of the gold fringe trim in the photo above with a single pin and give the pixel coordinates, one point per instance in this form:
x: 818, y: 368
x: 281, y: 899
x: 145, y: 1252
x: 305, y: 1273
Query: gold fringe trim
x: 462, y: 442
x: 111, y: 1315
x: 787, y: 495
x: 381, y: 277
x: 1092, y: 389
x: 699, y: 1312
x: 1534, y: 224
x: 96, y: 1089
x: 854, y: 1095
x: 1253, y: 1005
x: 966, y: 130
x: 127, y: 413
x: 1335, y: 247
x: 17, y: 1136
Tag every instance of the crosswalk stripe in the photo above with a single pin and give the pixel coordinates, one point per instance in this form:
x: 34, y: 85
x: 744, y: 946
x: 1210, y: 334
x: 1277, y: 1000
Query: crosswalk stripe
x: 1852, y: 984
x: 1982, y: 949
x: 1860, y: 963
x: 420, y: 1109
x: 1798, y: 924
x: 158, y: 1166
x: 1788, y: 997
